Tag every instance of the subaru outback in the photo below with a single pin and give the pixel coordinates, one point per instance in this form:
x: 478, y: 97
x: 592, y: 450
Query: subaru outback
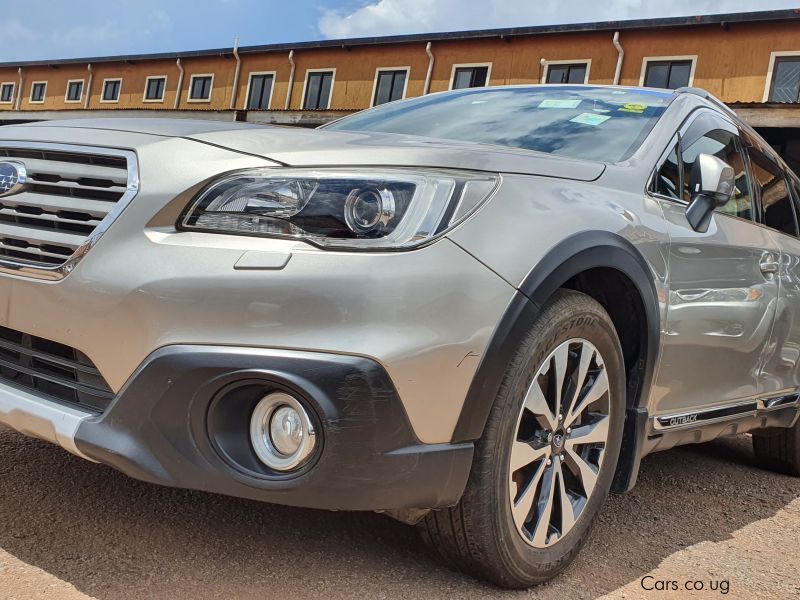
x: 474, y: 311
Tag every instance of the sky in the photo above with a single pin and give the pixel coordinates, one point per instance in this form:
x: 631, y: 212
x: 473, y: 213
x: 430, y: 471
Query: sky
x: 45, y: 29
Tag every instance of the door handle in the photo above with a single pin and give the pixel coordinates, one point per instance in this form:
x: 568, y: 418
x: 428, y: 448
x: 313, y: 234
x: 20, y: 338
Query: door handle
x: 769, y: 267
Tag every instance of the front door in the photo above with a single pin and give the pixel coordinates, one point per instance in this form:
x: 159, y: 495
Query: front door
x: 723, y: 285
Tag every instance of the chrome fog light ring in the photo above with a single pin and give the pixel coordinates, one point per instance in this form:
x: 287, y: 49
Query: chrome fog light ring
x: 297, y: 439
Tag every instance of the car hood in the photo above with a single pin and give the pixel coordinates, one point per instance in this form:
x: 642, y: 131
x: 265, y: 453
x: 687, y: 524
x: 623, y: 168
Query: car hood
x: 294, y: 146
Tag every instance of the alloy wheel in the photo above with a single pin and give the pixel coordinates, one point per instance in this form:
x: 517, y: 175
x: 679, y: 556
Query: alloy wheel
x: 560, y: 442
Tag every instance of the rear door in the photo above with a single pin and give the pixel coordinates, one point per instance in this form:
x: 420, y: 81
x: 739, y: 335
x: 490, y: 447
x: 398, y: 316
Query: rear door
x: 778, y: 193
x: 723, y: 284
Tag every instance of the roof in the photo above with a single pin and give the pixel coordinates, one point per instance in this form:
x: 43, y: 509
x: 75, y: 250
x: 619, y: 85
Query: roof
x: 510, y: 32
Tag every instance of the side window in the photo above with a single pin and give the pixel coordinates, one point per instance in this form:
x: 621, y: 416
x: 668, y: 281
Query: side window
x: 725, y: 145
x: 774, y: 193
x: 668, y: 178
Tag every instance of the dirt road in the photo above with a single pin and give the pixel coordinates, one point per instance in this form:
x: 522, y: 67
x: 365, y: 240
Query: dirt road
x: 71, y: 530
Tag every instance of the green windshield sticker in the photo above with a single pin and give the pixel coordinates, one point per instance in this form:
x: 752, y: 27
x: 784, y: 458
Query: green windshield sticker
x: 590, y: 119
x: 559, y: 103
x: 632, y: 107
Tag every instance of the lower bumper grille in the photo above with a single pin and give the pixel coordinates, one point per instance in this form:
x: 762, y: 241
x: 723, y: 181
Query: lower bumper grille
x: 52, y: 369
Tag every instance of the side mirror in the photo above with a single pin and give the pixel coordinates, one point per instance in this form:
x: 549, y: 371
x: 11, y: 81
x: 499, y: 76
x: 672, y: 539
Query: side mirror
x: 711, y: 183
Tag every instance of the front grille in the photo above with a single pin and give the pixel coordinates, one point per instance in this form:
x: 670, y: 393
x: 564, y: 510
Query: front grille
x: 67, y: 195
x: 52, y: 369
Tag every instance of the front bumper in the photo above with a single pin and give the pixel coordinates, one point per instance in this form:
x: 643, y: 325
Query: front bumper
x: 169, y: 425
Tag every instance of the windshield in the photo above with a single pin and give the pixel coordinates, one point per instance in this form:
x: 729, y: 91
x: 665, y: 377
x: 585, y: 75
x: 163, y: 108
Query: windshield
x: 594, y: 123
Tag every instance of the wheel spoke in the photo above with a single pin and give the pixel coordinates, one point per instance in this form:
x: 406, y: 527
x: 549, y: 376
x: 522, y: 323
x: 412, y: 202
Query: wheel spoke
x: 583, y: 367
x: 537, y: 404
x: 545, y: 507
x: 592, y: 433
x: 567, y: 510
x: 560, y: 358
x: 582, y: 470
x: 595, y: 392
x: 521, y: 508
x: 523, y: 454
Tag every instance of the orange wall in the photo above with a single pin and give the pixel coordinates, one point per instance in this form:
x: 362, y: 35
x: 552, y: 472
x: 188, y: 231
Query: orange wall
x: 731, y: 63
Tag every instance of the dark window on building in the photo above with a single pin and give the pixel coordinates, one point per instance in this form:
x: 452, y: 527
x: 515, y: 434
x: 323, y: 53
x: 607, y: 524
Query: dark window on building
x: 155, y: 88
x: 390, y: 86
x: 776, y: 202
x: 111, y: 88
x: 201, y: 88
x: 786, y: 80
x: 668, y: 74
x: 260, y: 92
x: 74, y: 91
x: 318, y: 90
x: 7, y: 92
x: 470, y: 77
x: 37, y: 92
x: 566, y: 73
x: 724, y: 145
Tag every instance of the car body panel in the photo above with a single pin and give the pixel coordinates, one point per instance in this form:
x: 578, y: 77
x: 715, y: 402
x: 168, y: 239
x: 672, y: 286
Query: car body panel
x: 720, y: 314
x: 426, y: 315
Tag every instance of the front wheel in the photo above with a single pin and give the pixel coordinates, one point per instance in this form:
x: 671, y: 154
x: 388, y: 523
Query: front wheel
x: 545, y: 463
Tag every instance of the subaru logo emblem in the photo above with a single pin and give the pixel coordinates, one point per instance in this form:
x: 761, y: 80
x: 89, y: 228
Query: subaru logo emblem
x: 12, y: 177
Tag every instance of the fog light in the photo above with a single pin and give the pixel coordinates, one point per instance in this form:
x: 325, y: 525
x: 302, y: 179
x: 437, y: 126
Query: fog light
x: 281, y: 432
x: 285, y: 430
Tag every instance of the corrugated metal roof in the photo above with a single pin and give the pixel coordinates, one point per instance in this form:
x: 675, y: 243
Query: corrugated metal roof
x: 509, y: 32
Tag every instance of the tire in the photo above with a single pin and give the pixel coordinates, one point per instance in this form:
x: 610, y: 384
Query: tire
x: 778, y: 450
x: 479, y: 535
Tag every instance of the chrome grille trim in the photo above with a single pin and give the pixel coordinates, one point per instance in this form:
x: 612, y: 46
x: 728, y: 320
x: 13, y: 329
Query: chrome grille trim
x: 50, y: 187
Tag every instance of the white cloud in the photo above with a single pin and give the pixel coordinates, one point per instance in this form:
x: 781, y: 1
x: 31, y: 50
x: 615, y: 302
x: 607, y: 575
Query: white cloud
x: 388, y: 17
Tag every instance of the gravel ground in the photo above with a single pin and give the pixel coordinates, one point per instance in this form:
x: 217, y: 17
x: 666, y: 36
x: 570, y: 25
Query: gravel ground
x: 71, y: 529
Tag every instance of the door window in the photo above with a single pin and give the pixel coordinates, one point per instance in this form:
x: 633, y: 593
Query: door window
x: 668, y: 179
x: 776, y: 202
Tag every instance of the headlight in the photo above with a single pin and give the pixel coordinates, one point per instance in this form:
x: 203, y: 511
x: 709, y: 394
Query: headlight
x: 364, y: 209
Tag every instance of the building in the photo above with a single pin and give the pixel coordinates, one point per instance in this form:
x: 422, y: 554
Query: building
x: 749, y: 60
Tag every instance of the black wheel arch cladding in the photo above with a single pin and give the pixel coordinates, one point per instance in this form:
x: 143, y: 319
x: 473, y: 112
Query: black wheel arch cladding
x: 577, y: 254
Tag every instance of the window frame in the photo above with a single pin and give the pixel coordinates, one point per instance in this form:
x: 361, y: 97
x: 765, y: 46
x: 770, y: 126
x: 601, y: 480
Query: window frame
x: 331, y: 70
x: 250, y: 83
x: 66, y: 93
x: 147, y: 84
x: 773, y: 56
x: 587, y: 62
x: 13, y: 85
x: 378, y: 72
x: 44, y: 92
x: 684, y: 58
x: 191, y: 86
x: 103, y: 90
x: 677, y: 138
x: 457, y: 66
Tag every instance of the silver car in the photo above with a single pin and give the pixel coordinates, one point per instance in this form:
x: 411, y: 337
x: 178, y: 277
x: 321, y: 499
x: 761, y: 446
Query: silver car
x: 475, y: 311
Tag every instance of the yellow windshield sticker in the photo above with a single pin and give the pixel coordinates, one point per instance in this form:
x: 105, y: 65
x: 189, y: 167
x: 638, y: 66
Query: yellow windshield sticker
x: 632, y: 107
